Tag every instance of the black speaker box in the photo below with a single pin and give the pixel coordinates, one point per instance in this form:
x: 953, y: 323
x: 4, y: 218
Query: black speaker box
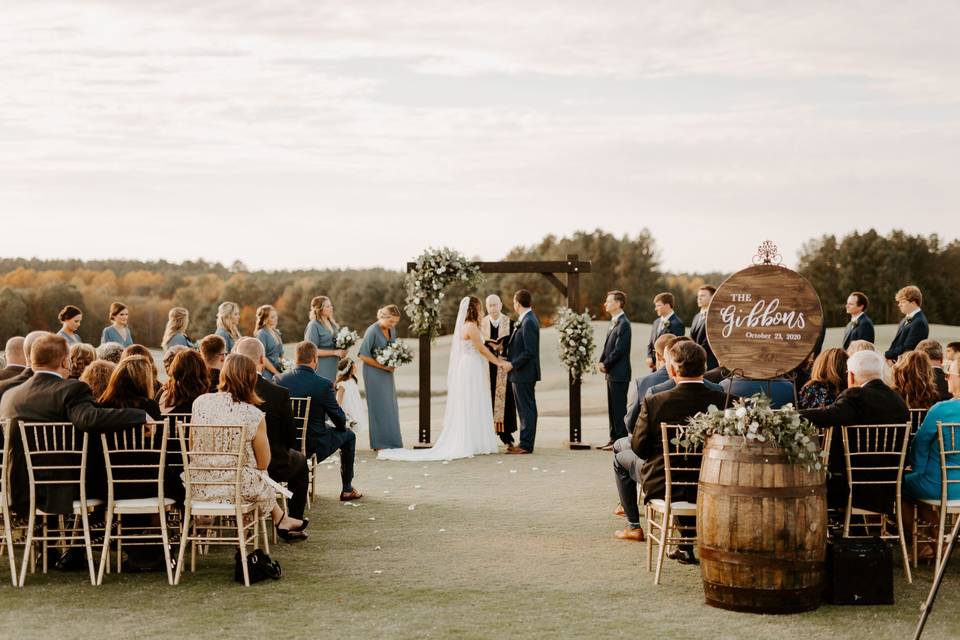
x: 859, y: 571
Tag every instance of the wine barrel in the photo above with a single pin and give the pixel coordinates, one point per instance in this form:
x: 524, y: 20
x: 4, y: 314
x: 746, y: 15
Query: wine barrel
x: 761, y: 528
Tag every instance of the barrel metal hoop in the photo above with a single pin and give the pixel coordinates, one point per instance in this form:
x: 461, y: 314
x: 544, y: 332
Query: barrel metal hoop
x: 770, y: 562
x: 763, y: 492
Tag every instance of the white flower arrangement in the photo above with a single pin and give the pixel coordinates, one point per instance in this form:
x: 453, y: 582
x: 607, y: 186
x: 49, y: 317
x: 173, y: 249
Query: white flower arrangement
x: 754, y: 420
x: 286, y: 365
x: 346, y: 338
x: 394, y: 354
x: 434, y: 271
x: 576, y: 341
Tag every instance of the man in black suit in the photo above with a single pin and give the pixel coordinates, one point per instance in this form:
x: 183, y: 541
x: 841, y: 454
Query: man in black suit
x: 698, y: 327
x: 913, y: 328
x: 867, y: 400
x: 666, y: 322
x: 213, y: 350
x: 615, y: 364
x: 287, y: 464
x: 934, y: 351
x: 687, y: 362
x: 524, y: 369
x: 16, y: 361
x: 48, y: 396
x: 27, y: 372
x: 860, y: 326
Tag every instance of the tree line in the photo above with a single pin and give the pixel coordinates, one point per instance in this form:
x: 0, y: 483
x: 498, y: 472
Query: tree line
x: 33, y: 291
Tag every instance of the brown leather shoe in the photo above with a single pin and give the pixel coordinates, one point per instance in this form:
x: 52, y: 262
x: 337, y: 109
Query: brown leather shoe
x: 619, y: 511
x: 634, y: 535
x: 353, y: 495
x: 517, y: 450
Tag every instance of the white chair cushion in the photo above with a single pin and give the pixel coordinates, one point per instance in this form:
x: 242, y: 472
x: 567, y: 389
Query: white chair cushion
x: 952, y: 505
x: 92, y: 503
x: 218, y: 508
x: 139, y: 505
x: 681, y: 507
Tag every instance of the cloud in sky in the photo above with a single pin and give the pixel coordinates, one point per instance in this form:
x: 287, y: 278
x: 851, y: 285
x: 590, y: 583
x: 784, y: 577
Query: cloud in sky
x: 304, y: 133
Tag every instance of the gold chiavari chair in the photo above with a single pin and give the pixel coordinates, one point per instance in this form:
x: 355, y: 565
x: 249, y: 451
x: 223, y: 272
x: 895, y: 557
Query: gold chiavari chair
x: 214, y: 459
x: 135, y: 459
x: 56, y: 456
x: 875, y: 456
x: 301, y: 416
x: 6, y: 524
x: 825, y: 440
x: 916, y: 418
x: 681, y: 467
x: 948, y: 436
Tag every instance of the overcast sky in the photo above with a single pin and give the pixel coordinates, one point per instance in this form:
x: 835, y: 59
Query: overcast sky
x: 300, y: 133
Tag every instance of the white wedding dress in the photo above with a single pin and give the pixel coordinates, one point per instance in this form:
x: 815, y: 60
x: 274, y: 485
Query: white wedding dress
x: 468, y: 417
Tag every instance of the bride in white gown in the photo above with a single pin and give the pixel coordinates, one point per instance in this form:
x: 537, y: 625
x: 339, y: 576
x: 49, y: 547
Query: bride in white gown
x: 468, y: 417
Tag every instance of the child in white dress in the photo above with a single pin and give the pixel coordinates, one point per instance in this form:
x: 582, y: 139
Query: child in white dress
x: 348, y: 395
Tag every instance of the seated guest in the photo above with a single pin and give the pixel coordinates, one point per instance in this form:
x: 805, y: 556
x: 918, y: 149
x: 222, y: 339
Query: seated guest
x: 860, y: 345
x: 303, y: 382
x: 70, y: 318
x: 235, y: 404
x: 27, y: 372
x: 913, y: 379
x: 672, y: 383
x: 131, y: 387
x: 952, y: 353
x: 860, y: 326
x: 118, y: 330
x: 828, y: 379
x: 49, y: 396
x: 175, y: 333
x: 934, y: 352
x: 913, y: 328
x: 188, y: 380
x: 867, y: 400
x: 287, y: 464
x: 688, y: 363
x: 97, y: 376
x: 81, y: 355
x: 643, y: 383
x: 779, y: 390
x: 213, y: 350
x: 170, y: 354
x: 111, y: 351
x: 16, y: 361
x: 140, y: 350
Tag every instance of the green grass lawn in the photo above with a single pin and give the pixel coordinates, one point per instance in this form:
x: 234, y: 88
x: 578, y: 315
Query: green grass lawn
x: 495, y: 547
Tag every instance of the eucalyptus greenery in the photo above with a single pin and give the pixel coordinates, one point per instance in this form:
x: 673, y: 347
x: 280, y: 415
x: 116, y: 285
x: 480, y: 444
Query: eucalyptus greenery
x: 576, y: 341
x: 756, y: 421
x: 434, y: 271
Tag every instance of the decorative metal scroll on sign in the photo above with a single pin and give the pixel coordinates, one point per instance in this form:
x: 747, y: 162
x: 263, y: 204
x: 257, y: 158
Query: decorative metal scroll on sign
x: 768, y: 253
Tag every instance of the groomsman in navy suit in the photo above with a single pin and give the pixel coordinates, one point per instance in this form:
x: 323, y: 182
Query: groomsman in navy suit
x: 860, y: 326
x: 524, y: 369
x: 913, y: 328
x: 698, y: 328
x: 615, y: 363
x: 666, y: 322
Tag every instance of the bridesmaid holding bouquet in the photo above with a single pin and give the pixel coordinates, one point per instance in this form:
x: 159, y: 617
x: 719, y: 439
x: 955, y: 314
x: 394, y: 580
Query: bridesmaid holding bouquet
x: 322, y: 332
x: 383, y: 411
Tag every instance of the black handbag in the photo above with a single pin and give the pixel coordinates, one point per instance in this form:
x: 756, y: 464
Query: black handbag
x: 859, y: 571
x: 259, y: 567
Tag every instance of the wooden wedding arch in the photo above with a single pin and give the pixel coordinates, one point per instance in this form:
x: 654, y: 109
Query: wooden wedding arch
x: 572, y: 267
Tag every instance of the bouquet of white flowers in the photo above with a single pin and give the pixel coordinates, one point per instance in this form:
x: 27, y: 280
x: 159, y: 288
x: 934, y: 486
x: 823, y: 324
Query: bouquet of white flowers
x: 286, y: 365
x: 395, y: 354
x: 346, y: 338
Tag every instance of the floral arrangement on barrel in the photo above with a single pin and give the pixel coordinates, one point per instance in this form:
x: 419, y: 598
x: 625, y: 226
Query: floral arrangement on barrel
x: 395, y: 354
x: 577, y: 344
x: 346, y: 338
x: 755, y: 420
x: 434, y: 271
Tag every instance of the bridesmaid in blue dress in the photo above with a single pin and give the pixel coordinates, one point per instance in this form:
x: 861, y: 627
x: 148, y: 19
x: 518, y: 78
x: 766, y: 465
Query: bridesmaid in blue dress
x: 269, y: 336
x: 70, y: 318
x: 118, y: 331
x: 178, y: 319
x: 228, y: 323
x: 382, y: 409
x: 322, y: 332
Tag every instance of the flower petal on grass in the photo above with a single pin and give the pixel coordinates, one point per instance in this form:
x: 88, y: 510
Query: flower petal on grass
x: 411, y: 507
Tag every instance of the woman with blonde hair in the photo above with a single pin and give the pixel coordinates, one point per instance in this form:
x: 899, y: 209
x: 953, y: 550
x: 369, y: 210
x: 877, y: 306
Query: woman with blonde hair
x: 228, y: 323
x: 178, y: 319
x: 269, y: 336
x: 383, y: 411
x: 828, y: 379
x: 70, y: 318
x: 322, y: 332
x: 97, y: 376
x: 81, y: 355
x: 913, y: 379
x: 119, y: 330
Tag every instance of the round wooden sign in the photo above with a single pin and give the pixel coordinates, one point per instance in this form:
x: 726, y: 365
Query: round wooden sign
x: 764, y: 321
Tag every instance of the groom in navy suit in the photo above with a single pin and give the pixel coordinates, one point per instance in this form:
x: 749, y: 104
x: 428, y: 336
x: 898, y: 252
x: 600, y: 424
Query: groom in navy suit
x: 666, y: 322
x: 860, y: 326
x: 524, y: 369
x: 615, y: 363
x: 913, y: 328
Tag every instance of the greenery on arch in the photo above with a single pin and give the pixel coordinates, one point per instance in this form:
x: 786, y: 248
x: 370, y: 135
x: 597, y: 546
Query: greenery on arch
x: 435, y: 270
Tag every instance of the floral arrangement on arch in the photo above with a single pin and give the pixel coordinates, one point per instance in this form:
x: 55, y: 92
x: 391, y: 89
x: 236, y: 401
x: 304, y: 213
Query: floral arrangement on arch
x: 434, y: 271
x: 577, y: 344
x: 755, y: 420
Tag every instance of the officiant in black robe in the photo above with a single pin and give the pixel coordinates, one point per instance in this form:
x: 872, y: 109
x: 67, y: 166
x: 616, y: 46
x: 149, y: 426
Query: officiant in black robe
x: 500, y: 330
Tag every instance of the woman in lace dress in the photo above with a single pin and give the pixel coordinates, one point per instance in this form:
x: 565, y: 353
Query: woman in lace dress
x: 234, y: 404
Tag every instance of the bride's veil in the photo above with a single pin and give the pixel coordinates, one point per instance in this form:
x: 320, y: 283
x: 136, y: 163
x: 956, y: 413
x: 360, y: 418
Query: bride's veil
x: 456, y: 352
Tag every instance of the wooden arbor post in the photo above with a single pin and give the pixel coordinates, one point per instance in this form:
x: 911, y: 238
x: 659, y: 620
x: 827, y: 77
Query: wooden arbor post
x: 570, y: 289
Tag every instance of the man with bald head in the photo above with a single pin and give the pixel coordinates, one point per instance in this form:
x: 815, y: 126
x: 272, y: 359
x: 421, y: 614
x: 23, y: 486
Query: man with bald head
x: 287, y: 464
x: 27, y: 372
x: 16, y: 361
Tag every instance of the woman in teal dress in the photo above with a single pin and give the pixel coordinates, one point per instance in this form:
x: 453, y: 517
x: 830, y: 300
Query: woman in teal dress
x: 322, y: 332
x: 382, y: 409
x: 228, y: 323
x: 118, y: 331
x: 923, y: 481
x: 70, y: 318
x: 178, y: 319
x: 269, y: 336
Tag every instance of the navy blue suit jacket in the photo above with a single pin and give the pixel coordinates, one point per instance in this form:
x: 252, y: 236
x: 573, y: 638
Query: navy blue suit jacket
x: 303, y: 382
x: 641, y: 385
x: 671, y: 384
x: 675, y: 327
x: 698, y: 333
x: 862, y: 329
x: 909, y: 335
x: 525, y: 351
x: 616, y: 351
x: 781, y: 389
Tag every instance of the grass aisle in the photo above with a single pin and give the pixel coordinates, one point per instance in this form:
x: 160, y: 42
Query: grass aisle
x: 495, y: 547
